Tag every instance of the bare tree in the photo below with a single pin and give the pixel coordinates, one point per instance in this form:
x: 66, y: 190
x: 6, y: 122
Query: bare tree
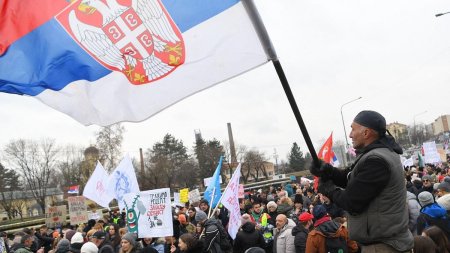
x: 109, y: 142
x: 69, y: 166
x: 35, y: 162
x: 253, y: 166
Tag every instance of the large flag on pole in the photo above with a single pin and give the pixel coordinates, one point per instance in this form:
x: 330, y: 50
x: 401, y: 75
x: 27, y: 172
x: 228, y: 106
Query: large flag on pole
x: 74, y: 189
x: 103, y: 62
x: 122, y: 181
x: 96, y: 189
x: 214, y: 187
x: 230, y: 200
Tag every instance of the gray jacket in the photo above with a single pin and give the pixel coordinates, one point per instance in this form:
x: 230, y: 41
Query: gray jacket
x: 414, y: 211
x: 283, y: 239
x: 386, y: 218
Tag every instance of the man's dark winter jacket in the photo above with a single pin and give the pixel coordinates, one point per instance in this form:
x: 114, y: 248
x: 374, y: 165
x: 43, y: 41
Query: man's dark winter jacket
x: 301, y: 234
x: 248, y: 237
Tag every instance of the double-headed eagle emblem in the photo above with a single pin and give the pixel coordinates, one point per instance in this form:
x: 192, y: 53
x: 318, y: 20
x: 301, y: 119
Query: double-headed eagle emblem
x: 140, y: 40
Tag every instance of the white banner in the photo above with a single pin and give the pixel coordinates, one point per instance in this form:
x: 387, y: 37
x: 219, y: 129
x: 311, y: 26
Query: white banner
x: 149, y: 213
x: 122, y: 181
x: 208, y: 179
x: 431, y: 153
x: 231, y: 201
x: 95, y: 188
x: 194, y: 196
x: 77, y: 210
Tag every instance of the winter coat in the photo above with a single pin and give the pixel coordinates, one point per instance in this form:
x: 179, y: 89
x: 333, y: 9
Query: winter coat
x: 22, y: 249
x: 247, y: 237
x: 413, y: 210
x: 211, y: 236
x: 433, y: 214
x: 301, y: 234
x: 317, y: 237
x: 75, y: 247
x: 444, y: 202
x: 283, y: 239
x: 412, y: 188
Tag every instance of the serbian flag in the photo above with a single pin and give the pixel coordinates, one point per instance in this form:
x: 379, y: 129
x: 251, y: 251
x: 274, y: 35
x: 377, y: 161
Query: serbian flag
x: 74, y: 189
x: 327, y: 155
x: 107, y: 61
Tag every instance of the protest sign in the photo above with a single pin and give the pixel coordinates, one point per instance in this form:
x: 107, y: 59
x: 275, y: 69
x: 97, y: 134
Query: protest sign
x: 149, y: 213
x: 77, y: 210
x: 194, y: 196
x: 95, y: 215
x: 430, y: 151
x: 184, y: 195
x: 55, y: 216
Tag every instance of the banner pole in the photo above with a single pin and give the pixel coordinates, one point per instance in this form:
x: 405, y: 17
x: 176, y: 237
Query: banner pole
x: 272, y: 55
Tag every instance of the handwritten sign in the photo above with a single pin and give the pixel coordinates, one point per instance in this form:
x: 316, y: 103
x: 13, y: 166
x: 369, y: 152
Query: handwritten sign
x: 149, y: 213
x: 241, y: 191
x: 55, y: 216
x: 77, y: 210
x: 194, y: 196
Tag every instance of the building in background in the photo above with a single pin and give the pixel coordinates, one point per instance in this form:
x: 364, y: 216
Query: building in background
x: 441, y: 124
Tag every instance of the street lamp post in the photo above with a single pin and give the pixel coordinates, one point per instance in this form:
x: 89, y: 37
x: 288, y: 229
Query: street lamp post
x: 415, y: 133
x: 343, y: 124
x: 342, y: 115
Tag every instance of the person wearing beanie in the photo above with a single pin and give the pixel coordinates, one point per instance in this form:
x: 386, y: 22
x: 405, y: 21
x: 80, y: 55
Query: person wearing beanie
x: 325, y: 228
x: 247, y: 236
x: 68, y: 234
x: 128, y: 243
x: 89, y: 247
x: 63, y: 246
x: 200, y: 216
x: 76, y: 242
x: 432, y: 214
x: 372, y: 191
x: 301, y: 231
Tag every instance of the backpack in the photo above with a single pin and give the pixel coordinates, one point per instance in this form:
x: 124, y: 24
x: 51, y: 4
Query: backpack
x: 224, y: 241
x: 336, y: 245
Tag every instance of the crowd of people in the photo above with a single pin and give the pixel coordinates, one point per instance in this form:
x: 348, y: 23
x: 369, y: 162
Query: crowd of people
x: 375, y: 205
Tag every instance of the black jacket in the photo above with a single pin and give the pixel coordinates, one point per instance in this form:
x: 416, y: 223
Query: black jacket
x: 301, y: 234
x: 248, y: 237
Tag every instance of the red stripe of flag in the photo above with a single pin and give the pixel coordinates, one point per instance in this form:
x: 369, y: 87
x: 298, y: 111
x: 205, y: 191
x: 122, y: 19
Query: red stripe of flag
x: 19, y: 17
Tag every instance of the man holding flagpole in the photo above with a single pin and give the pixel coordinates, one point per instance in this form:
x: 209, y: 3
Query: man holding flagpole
x: 374, y: 192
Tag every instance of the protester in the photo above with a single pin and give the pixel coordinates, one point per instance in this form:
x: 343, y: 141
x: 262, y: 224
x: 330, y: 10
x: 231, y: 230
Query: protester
x: 301, y: 231
x: 191, y: 215
x: 443, y: 193
x: 326, y: 229
x: 63, y: 246
x: 272, y: 212
x: 432, y: 214
x: 374, y: 193
x: 25, y: 243
x: 89, y: 247
x: 257, y: 213
x: 424, y: 244
x: 413, y: 211
x: 210, y: 233
x: 128, y: 243
x: 113, y: 236
x: 76, y: 242
x: 99, y: 239
x: 45, y: 240
x: 439, y: 238
x: 187, y: 244
x: 247, y: 237
x: 427, y: 184
x: 283, y: 238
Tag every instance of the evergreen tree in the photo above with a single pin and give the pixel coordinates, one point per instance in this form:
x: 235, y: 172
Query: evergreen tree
x: 296, y: 160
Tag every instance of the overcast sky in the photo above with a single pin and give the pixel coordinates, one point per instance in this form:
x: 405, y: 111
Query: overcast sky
x: 395, y: 54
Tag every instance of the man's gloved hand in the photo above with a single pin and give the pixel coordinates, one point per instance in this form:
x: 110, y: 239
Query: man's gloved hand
x: 326, y: 188
x: 322, y: 170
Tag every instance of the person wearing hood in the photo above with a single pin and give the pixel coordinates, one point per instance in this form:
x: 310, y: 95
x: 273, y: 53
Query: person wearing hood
x: 247, y: 237
x: 283, y: 239
x: 63, y: 246
x: 325, y: 228
x: 372, y: 189
x: 432, y: 214
x: 413, y: 211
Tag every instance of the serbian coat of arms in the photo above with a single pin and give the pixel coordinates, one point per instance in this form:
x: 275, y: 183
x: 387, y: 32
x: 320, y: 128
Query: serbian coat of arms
x: 135, y: 37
